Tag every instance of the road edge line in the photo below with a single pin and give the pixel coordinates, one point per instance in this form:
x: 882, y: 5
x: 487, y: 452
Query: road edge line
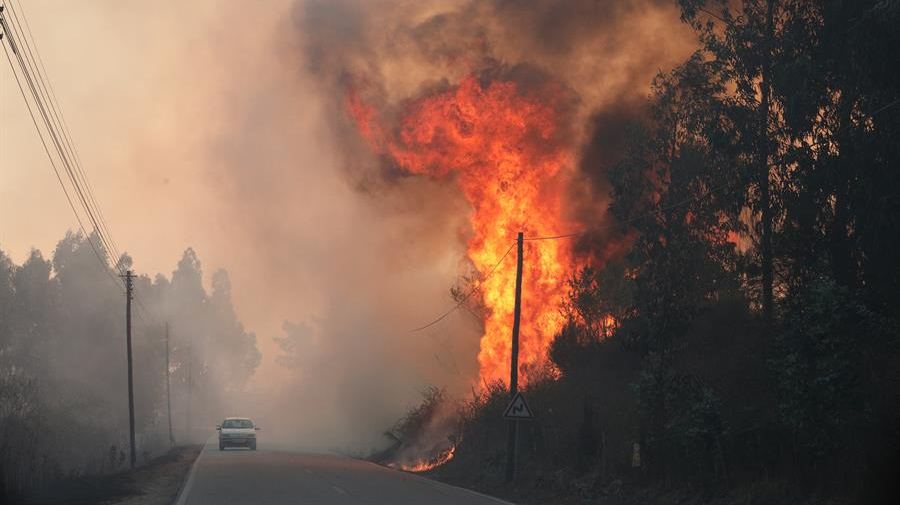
x: 445, y: 484
x: 185, y: 490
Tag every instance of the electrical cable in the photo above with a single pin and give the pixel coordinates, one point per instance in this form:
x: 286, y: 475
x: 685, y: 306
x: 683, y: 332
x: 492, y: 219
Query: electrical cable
x: 64, y: 144
x: 470, y: 293
x: 58, y: 177
x: 47, y: 104
x: 39, y: 92
x: 557, y: 237
x: 54, y: 102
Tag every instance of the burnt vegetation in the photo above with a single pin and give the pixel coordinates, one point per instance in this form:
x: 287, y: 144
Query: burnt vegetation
x: 752, y: 350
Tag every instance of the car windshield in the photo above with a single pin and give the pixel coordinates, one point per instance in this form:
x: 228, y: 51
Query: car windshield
x: 237, y: 423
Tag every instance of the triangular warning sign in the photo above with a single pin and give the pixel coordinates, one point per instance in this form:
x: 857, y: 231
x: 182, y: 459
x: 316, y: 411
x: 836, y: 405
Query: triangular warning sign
x: 518, y: 408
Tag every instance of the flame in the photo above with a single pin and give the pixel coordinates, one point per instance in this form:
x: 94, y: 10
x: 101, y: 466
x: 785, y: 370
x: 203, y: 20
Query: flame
x: 424, y: 466
x: 506, y: 147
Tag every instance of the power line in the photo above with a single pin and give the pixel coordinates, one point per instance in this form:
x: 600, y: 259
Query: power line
x: 38, y: 88
x: 623, y: 223
x: 57, y: 128
x: 470, y: 293
x: 558, y: 237
x: 35, y: 85
x: 67, y: 135
x: 34, y: 74
x: 555, y: 237
x: 55, y: 170
x: 634, y: 219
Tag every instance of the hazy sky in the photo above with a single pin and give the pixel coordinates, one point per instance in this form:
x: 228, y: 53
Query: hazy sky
x: 197, y: 128
x: 147, y: 90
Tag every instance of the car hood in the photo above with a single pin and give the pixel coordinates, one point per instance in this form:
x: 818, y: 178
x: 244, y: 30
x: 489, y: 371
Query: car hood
x: 238, y: 431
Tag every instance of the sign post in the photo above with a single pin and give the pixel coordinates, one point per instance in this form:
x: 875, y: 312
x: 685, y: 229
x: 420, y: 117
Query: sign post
x: 518, y: 409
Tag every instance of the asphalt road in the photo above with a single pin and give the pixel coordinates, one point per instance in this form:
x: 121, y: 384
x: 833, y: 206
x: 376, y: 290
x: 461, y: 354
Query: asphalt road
x: 270, y: 476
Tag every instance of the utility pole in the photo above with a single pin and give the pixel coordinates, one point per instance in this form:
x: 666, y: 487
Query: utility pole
x: 129, y: 295
x: 513, y: 426
x: 168, y: 393
x: 190, y: 388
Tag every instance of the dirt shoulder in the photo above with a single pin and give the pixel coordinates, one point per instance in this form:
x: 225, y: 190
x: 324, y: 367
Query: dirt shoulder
x: 156, y: 483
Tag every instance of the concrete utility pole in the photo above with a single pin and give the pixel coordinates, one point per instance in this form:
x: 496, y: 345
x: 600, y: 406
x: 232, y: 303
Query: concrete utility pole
x: 513, y: 438
x: 168, y: 393
x: 129, y: 295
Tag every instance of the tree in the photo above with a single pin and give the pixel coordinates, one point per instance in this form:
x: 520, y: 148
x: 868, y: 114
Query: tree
x: 743, y: 44
x: 239, y: 355
x: 62, y: 359
x: 669, y: 189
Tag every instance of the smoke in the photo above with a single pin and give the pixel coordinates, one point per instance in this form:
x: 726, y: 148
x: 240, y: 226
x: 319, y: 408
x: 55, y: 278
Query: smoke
x: 603, y: 53
x: 230, y: 134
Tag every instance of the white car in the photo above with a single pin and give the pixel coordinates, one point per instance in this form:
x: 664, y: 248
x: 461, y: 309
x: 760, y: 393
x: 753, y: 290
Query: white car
x: 237, y: 431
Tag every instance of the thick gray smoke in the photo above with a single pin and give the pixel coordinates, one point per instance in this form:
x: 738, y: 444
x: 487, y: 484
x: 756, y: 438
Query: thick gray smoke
x: 237, y: 140
x: 240, y: 146
x: 605, y: 52
x: 383, y: 256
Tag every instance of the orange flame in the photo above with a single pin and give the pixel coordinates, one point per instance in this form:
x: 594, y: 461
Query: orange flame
x: 507, y: 148
x: 424, y: 466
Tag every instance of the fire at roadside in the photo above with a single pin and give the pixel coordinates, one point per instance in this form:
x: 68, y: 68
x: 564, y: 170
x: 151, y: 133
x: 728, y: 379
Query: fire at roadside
x: 426, y: 437
x: 509, y: 137
x: 506, y: 144
x: 511, y: 154
x: 725, y: 322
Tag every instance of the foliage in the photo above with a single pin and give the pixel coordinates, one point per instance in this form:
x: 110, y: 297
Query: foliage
x: 829, y: 339
x: 63, y: 407
x: 770, y: 152
x: 427, y: 433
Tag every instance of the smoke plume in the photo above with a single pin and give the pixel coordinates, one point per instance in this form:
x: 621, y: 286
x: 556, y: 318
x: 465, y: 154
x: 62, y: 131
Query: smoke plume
x: 226, y: 129
x: 386, y: 55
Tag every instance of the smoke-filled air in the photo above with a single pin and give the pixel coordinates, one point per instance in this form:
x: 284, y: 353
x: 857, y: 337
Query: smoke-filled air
x: 551, y: 251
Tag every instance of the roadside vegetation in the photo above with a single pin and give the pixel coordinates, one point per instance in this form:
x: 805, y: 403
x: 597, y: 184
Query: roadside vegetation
x: 747, y: 341
x: 155, y: 482
x: 63, y: 378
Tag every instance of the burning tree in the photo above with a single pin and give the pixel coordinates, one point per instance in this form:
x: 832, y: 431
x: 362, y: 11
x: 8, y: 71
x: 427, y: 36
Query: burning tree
x: 507, y: 146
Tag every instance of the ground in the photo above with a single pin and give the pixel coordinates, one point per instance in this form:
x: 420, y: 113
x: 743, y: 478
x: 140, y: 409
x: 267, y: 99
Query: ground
x: 566, y: 490
x: 156, y: 483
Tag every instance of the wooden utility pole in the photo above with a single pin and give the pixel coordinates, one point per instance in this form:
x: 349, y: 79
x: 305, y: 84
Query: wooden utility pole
x: 190, y: 388
x: 168, y: 392
x: 513, y: 431
x: 129, y: 295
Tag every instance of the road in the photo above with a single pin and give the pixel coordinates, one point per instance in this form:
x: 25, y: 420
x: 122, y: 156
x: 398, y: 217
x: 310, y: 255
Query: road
x: 270, y: 476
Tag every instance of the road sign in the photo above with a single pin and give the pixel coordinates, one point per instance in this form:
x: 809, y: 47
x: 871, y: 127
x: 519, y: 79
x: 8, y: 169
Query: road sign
x: 518, y: 409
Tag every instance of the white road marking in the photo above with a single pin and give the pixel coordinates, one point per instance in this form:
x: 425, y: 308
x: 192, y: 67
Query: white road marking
x: 189, y: 483
x: 339, y: 490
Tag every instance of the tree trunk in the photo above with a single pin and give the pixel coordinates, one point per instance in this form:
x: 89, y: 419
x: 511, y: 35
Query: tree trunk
x: 764, y: 184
